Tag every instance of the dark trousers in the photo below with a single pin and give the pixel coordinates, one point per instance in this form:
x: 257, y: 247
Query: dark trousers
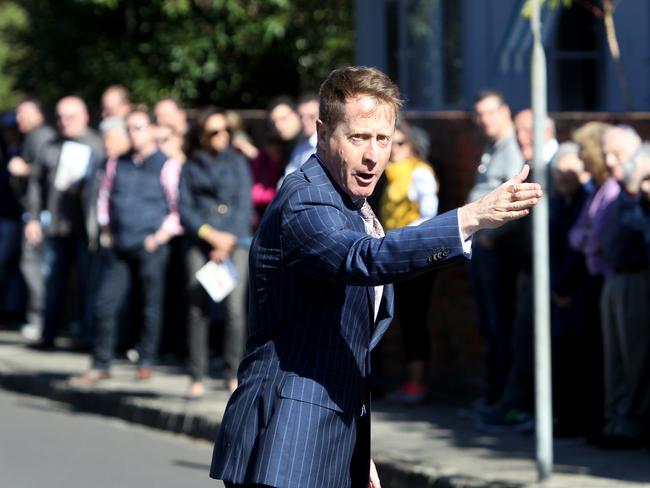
x: 412, y: 300
x: 120, y: 269
x: 62, y: 254
x: 10, y: 238
x: 494, y: 275
x: 234, y: 308
x: 626, y: 342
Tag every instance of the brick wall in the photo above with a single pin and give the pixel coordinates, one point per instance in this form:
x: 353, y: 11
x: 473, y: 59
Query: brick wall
x: 457, y: 348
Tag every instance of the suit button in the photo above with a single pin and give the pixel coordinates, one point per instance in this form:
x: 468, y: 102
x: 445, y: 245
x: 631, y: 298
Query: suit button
x: 431, y: 259
x: 222, y: 208
x: 445, y: 253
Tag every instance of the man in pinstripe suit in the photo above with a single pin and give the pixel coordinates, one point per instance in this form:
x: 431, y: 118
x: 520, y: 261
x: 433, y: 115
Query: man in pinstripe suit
x: 320, y: 274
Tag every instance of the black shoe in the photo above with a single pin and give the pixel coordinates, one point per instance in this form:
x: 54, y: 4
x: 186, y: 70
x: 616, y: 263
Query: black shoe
x: 42, y: 345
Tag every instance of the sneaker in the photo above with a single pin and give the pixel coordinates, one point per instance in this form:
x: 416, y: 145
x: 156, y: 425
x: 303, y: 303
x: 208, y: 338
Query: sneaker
x: 408, y: 394
x: 31, y: 331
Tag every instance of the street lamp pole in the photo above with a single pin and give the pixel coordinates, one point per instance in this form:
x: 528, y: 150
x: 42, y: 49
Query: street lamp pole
x: 543, y: 392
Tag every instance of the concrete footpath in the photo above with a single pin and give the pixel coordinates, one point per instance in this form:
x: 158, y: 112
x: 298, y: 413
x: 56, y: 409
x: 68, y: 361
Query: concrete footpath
x: 425, y: 446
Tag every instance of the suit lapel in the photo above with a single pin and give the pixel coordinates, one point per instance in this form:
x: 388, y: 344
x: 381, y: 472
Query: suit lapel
x: 316, y: 173
x: 385, y: 315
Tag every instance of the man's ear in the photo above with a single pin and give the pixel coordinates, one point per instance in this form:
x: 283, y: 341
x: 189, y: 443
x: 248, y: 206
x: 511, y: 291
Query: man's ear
x: 323, y: 134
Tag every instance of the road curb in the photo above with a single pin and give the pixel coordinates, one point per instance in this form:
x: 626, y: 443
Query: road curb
x: 111, y: 404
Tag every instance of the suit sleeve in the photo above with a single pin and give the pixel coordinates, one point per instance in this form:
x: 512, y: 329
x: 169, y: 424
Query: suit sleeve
x: 317, y: 239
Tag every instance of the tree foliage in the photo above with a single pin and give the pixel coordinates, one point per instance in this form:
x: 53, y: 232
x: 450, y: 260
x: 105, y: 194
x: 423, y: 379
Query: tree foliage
x: 236, y: 53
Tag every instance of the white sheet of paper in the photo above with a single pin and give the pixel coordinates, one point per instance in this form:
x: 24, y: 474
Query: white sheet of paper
x: 73, y: 164
x: 218, y: 279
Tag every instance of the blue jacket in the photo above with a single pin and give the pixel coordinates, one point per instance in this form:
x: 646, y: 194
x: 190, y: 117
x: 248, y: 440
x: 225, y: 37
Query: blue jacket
x: 138, y: 204
x: 216, y: 190
x: 296, y: 417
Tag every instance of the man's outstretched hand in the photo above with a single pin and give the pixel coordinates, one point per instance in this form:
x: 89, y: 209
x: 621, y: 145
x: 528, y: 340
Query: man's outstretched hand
x: 511, y: 201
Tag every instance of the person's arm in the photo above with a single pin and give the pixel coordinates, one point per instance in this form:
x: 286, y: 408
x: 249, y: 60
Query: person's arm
x: 317, y: 238
x: 33, y: 229
x: 171, y: 225
x: 195, y: 224
x: 424, y: 191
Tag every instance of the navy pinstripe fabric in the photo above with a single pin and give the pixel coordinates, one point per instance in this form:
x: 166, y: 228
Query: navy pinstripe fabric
x: 295, y: 419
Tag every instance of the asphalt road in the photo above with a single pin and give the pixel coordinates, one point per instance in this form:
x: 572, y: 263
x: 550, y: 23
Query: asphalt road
x: 45, y: 444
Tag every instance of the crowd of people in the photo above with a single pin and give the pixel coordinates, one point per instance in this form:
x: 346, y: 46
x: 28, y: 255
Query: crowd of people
x: 599, y: 197
x: 122, y: 218
x: 106, y: 229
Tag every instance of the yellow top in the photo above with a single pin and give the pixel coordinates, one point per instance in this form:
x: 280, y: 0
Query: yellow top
x: 396, y: 209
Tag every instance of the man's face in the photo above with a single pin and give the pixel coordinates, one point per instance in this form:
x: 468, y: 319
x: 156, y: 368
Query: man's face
x: 141, y: 133
x: 116, y: 142
x: 308, y: 112
x: 28, y: 117
x: 72, y: 118
x: 285, y: 121
x: 568, y: 171
x: 113, y: 105
x: 357, y: 149
x: 166, y: 113
x: 492, y: 116
x: 524, y: 129
x: 616, y: 152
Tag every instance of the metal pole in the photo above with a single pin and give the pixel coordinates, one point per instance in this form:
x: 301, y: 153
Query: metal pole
x: 543, y: 393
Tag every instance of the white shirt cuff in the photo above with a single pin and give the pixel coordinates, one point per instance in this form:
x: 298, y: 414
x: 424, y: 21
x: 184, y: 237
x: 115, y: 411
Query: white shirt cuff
x: 467, y: 243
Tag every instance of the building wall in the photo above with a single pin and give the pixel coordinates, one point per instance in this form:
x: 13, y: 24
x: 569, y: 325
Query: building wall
x: 495, y: 46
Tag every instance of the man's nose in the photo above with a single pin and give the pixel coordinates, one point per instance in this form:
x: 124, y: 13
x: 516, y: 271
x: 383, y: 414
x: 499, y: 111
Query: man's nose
x: 371, y: 152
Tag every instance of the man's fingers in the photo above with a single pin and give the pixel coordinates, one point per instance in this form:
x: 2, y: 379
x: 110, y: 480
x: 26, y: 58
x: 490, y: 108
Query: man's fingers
x: 517, y: 214
x: 520, y: 204
x: 523, y: 174
x: 525, y: 195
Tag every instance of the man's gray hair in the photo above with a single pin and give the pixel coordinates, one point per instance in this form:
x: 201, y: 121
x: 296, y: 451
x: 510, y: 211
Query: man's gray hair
x: 566, y: 149
x: 110, y: 123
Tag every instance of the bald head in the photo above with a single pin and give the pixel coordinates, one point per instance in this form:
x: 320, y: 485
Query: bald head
x: 72, y: 117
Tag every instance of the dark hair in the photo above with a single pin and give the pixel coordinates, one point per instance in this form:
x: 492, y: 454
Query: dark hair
x: 417, y: 138
x: 282, y: 100
x: 490, y: 92
x: 142, y: 109
x: 206, y: 113
x: 345, y: 83
x: 308, y: 97
x: 34, y: 101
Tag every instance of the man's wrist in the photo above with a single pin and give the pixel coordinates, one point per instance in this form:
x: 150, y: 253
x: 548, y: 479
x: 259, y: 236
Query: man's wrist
x: 467, y: 221
x: 204, y: 231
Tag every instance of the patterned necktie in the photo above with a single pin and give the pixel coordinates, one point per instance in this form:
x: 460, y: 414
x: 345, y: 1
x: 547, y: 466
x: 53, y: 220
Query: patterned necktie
x: 373, y: 226
x: 374, y: 229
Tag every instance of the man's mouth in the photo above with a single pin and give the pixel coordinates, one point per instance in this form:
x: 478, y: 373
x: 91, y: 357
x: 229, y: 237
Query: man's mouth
x: 364, y: 178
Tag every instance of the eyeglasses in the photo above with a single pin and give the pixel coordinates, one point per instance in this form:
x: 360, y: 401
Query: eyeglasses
x: 215, y: 132
x: 136, y: 127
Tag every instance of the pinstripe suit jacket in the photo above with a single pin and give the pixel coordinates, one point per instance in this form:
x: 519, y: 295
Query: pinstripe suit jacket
x: 296, y: 419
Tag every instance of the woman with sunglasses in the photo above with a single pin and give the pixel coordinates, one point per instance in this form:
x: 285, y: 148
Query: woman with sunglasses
x: 216, y: 211
x: 410, y: 197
